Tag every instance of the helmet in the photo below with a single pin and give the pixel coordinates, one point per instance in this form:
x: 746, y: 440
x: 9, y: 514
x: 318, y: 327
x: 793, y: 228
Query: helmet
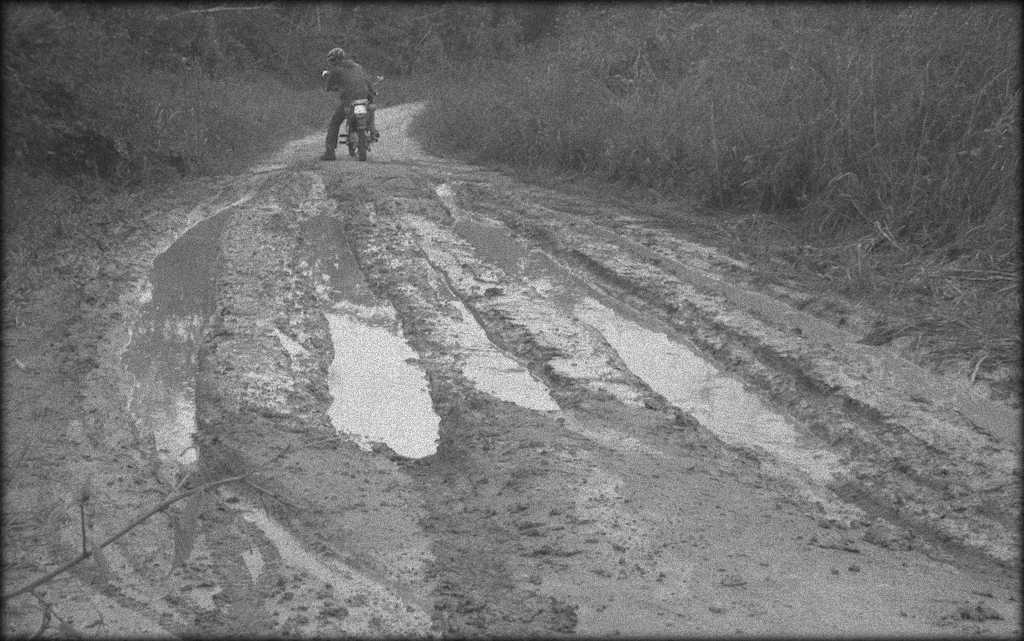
x: 336, y: 54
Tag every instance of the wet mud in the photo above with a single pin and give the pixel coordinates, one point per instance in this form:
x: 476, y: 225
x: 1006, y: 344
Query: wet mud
x: 930, y: 470
x: 161, y: 357
x: 466, y: 407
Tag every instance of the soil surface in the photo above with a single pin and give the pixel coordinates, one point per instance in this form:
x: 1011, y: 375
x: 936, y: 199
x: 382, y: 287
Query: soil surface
x: 465, y: 406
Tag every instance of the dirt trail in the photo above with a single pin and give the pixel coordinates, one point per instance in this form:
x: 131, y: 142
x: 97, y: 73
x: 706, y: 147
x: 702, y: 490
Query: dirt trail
x: 630, y: 438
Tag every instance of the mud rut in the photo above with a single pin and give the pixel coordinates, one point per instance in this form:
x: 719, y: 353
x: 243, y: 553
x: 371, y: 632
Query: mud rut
x: 631, y: 436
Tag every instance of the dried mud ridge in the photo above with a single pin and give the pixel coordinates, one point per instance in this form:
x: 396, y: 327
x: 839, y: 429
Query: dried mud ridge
x: 616, y: 512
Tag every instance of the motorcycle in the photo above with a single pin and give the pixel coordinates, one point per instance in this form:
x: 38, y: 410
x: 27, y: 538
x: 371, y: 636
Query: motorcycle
x: 357, y: 135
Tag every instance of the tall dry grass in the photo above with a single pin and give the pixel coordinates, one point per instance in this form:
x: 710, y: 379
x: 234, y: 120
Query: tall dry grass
x: 899, y: 119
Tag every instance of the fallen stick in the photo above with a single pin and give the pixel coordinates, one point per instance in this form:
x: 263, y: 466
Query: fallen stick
x: 159, y: 507
x: 271, y: 495
x: 65, y: 628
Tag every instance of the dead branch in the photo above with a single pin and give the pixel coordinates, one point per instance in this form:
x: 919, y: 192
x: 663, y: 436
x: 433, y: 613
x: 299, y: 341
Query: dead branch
x: 183, y: 481
x: 982, y: 274
x: 974, y: 374
x: 159, y: 507
x: 328, y: 439
x: 50, y: 612
x: 81, y: 509
x: 46, y: 620
x: 277, y: 498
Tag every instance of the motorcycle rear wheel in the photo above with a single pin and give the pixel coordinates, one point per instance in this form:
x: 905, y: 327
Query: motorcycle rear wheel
x: 363, y: 144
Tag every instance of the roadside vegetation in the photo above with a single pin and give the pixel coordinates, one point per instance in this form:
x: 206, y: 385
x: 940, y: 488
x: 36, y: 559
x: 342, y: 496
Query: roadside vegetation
x: 871, y: 150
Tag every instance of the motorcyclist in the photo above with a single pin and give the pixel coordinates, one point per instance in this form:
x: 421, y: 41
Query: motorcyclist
x: 350, y: 80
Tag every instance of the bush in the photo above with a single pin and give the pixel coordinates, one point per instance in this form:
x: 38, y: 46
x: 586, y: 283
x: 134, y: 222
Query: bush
x: 124, y: 108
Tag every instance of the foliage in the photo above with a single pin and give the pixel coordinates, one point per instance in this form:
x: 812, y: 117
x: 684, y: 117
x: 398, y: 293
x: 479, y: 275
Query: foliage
x: 113, y: 93
x: 901, y: 120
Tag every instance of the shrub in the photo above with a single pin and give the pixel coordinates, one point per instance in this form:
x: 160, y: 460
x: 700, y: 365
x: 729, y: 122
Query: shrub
x: 97, y: 92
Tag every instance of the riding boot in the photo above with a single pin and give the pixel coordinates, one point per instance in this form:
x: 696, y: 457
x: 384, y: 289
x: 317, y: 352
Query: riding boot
x: 328, y: 155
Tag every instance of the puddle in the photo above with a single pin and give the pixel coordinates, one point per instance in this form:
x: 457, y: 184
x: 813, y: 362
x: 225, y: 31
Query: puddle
x: 254, y: 563
x: 495, y: 241
x: 379, y: 393
x: 692, y: 384
x: 162, y: 352
x: 671, y: 368
x: 202, y: 596
x: 483, y: 363
x: 447, y: 195
x: 492, y: 371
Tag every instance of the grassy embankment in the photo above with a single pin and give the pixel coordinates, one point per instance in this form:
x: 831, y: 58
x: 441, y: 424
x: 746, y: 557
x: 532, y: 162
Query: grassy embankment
x: 871, y: 151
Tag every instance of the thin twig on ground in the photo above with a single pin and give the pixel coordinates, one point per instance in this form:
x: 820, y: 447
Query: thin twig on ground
x: 271, y: 495
x: 159, y: 507
x: 65, y: 628
x: 977, y: 366
x: 47, y: 611
x: 183, y: 481
x: 81, y: 511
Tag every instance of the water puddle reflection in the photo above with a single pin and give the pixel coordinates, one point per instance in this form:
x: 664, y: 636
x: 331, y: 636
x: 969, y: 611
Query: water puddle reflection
x: 493, y: 240
x: 493, y: 372
x: 483, y: 362
x: 692, y: 384
x: 670, y: 367
x: 379, y: 393
x: 161, y: 355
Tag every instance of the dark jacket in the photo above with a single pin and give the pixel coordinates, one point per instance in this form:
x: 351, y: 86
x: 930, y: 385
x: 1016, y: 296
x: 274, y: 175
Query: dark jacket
x: 350, y: 80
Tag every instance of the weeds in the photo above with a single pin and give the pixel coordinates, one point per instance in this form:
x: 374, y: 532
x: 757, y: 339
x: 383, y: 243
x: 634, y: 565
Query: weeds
x: 899, y: 120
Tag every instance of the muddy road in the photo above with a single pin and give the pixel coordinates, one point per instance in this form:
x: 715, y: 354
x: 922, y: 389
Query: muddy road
x: 465, y: 406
